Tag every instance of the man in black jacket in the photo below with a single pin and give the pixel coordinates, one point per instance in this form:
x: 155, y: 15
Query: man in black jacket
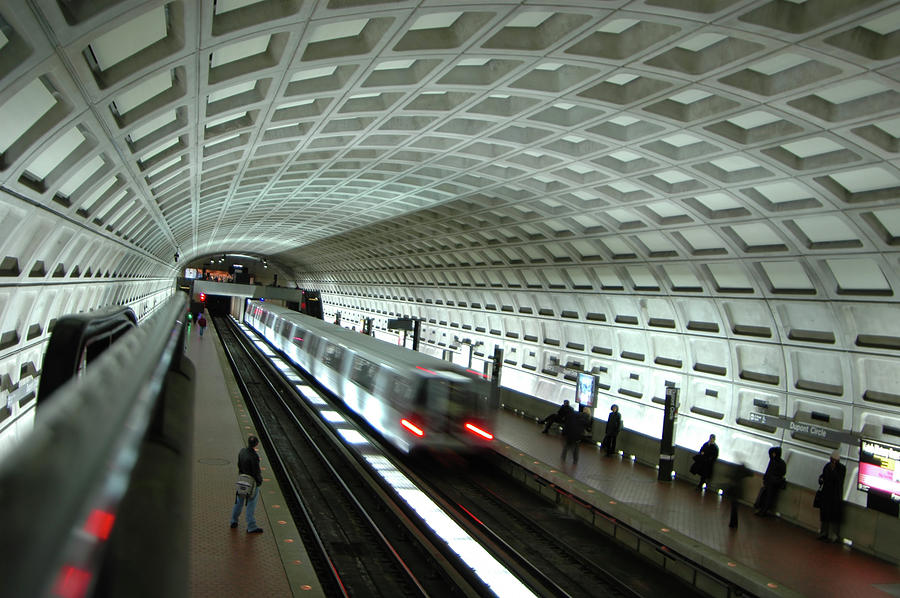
x: 557, y: 418
x: 613, y: 427
x: 248, y: 463
x: 573, y: 432
x: 773, y: 482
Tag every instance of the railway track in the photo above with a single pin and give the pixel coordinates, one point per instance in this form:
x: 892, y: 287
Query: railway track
x: 553, y: 553
x: 580, y: 561
x: 359, y: 543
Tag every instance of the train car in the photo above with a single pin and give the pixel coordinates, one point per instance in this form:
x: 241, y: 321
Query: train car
x: 413, y: 400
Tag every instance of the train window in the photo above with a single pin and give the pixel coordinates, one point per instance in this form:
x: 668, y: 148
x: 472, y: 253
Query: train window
x: 399, y: 389
x: 312, y: 344
x: 364, y: 372
x: 270, y: 320
x: 333, y: 356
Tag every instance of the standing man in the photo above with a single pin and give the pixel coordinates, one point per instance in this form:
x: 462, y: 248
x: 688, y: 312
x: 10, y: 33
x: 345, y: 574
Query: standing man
x: 201, y: 323
x: 831, y: 498
x: 705, y: 460
x: 773, y: 482
x: 613, y: 427
x: 573, y: 431
x: 248, y: 463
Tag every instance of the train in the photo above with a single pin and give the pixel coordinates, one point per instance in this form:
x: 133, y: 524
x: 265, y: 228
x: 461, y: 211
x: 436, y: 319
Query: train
x: 415, y: 402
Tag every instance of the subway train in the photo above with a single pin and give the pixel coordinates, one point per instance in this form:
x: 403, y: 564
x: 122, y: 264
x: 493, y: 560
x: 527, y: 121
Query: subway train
x: 414, y: 401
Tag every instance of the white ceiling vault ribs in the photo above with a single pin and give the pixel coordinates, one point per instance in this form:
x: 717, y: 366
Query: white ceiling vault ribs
x: 690, y: 148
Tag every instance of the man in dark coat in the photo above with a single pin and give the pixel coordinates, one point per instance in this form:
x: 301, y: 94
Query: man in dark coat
x: 705, y: 460
x: 613, y: 427
x: 830, y: 498
x: 773, y: 482
x: 557, y: 418
x: 248, y: 463
x: 573, y: 431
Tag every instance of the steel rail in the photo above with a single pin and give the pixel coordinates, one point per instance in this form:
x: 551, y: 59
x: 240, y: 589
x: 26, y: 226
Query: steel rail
x: 339, y: 479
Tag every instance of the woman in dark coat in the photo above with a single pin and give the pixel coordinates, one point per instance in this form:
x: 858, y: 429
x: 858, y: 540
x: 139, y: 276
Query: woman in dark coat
x: 830, y: 498
x: 705, y: 460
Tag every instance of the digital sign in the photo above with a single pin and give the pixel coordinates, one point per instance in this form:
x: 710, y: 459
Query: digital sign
x: 879, y: 468
x: 586, y: 390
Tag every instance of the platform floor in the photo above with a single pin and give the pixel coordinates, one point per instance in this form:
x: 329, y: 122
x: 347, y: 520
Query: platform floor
x: 228, y: 562
x: 784, y: 555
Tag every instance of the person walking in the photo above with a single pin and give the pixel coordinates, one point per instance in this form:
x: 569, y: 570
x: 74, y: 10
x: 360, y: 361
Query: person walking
x: 735, y: 489
x: 613, y: 427
x: 573, y: 431
x: 830, y: 498
x: 705, y: 460
x: 248, y: 463
x: 201, y: 324
x: 773, y: 482
x: 557, y: 418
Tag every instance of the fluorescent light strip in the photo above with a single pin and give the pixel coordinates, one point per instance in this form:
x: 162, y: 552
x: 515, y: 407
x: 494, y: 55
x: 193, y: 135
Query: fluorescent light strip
x: 492, y: 572
x: 332, y: 416
x: 352, y: 436
x: 486, y: 567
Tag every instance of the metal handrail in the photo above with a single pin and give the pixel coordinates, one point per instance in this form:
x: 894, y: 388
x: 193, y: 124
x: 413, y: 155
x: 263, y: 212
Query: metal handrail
x: 61, y: 488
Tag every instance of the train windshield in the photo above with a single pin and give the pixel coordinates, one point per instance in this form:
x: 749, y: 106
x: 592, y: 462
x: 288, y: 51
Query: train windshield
x: 463, y: 396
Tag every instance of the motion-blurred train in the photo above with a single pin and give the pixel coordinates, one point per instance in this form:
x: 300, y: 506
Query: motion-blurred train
x: 413, y: 400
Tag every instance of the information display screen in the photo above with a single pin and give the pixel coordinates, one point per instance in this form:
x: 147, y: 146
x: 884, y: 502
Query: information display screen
x: 586, y: 390
x: 190, y: 273
x: 879, y: 468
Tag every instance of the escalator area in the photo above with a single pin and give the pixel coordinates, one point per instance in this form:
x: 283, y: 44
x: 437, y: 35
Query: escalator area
x: 96, y: 499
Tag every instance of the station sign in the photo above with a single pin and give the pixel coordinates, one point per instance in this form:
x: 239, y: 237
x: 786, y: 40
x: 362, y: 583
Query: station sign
x: 809, y: 429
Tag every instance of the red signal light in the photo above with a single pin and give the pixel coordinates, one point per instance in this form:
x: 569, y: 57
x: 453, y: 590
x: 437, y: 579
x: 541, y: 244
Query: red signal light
x: 99, y: 524
x: 478, y: 431
x: 412, y: 427
x: 202, y: 297
x: 72, y: 582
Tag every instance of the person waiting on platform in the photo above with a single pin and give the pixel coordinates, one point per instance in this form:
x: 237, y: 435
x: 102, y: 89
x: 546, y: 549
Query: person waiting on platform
x: 248, y: 464
x: 773, y: 483
x: 829, y: 498
x: 573, y: 432
x: 704, y: 461
x: 201, y: 324
x: 613, y: 427
x: 556, y: 418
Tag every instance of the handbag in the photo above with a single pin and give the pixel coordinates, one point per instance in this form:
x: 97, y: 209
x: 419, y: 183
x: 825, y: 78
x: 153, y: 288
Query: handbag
x: 817, y: 499
x: 245, y: 485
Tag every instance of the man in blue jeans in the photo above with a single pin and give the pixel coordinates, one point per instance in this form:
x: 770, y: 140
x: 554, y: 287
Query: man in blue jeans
x: 248, y: 463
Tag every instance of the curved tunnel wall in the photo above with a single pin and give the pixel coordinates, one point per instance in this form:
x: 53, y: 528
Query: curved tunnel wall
x: 815, y: 338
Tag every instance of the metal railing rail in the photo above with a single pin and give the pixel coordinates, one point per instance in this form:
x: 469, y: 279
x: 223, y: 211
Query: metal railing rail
x: 62, y: 489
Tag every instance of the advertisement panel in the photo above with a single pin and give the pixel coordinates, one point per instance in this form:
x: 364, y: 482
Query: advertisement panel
x: 586, y: 390
x: 878, y: 468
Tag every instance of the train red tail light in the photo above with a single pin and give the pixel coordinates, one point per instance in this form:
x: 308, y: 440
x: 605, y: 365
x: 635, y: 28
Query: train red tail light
x: 412, y: 427
x: 479, y: 431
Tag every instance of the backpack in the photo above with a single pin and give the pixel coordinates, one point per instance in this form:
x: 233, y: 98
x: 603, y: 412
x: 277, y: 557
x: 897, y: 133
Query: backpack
x: 245, y: 485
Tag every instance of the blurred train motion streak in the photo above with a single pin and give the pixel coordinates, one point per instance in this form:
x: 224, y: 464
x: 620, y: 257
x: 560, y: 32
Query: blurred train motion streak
x: 413, y: 400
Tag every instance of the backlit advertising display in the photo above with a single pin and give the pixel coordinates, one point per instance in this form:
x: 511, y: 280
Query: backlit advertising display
x: 586, y: 390
x: 879, y: 468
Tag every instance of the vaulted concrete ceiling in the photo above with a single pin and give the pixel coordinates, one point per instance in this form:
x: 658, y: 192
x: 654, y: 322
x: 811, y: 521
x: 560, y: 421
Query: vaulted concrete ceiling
x: 701, y: 131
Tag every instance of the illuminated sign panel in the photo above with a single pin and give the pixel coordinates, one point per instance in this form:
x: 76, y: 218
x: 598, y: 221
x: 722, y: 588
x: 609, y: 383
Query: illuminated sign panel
x: 586, y: 390
x: 879, y: 468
